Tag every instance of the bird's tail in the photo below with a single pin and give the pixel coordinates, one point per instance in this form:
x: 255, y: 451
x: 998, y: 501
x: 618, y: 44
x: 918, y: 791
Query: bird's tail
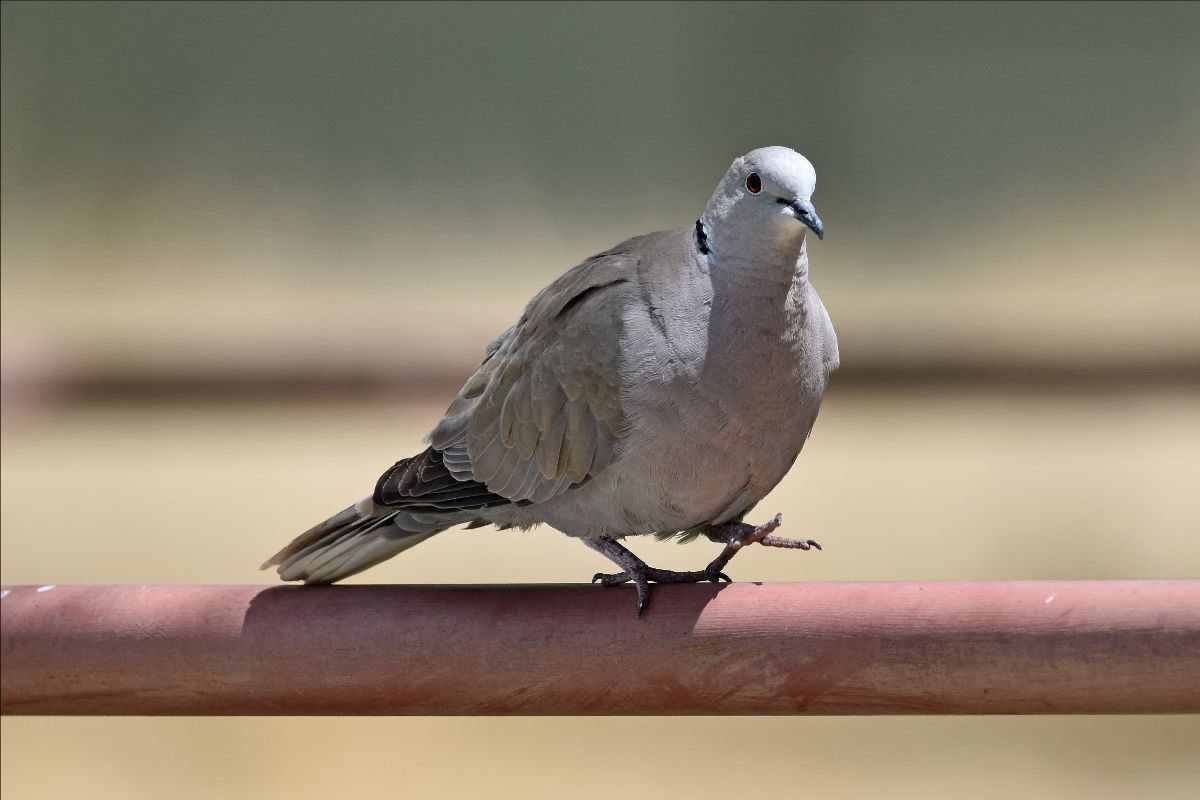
x: 363, y: 535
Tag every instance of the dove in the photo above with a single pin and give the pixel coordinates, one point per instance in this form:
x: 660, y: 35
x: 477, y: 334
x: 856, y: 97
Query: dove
x: 661, y: 387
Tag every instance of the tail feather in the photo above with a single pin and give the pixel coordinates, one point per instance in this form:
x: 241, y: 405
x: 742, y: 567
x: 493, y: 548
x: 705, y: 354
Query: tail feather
x: 414, y: 499
x: 352, y: 540
x: 325, y: 558
x: 316, y: 533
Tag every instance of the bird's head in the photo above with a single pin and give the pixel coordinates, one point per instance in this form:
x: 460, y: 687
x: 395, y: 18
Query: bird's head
x: 768, y: 192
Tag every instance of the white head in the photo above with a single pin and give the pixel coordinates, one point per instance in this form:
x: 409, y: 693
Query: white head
x: 767, y: 194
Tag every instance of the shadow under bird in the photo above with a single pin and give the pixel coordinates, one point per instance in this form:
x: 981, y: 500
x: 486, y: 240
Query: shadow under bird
x: 662, y: 387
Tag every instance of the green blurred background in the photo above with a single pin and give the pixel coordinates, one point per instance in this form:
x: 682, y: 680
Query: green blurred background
x: 249, y: 251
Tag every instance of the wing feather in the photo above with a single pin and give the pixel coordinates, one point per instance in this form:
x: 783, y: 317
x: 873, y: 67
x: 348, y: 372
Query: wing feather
x: 543, y: 410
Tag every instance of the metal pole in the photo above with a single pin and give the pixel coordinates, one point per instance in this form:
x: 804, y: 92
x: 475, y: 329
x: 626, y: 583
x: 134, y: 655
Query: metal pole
x: 1020, y: 647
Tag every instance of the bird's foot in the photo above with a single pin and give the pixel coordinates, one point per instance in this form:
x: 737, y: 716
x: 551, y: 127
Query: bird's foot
x: 660, y: 576
x: 790, y: 544
x: 737, y: 535
x: 642, y: 575
x: 634, y: 570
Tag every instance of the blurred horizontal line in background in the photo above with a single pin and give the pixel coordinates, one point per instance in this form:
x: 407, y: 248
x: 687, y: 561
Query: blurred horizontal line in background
x: 178, y: 339
x: 336, y: 382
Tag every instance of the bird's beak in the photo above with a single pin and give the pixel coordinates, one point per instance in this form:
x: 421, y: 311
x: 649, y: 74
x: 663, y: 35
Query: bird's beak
x: 804, y: 211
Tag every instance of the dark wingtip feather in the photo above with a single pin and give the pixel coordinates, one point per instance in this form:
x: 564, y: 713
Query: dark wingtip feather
x: 423, y: 481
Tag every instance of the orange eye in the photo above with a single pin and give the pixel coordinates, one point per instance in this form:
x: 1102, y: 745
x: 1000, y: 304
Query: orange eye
x: 754, y: 183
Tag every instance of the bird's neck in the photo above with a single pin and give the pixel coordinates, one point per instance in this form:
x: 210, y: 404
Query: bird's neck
x: 747, y: 269
x: 760, y: 307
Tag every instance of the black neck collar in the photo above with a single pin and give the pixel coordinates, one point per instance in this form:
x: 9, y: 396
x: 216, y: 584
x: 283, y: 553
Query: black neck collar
x: 702, y: 237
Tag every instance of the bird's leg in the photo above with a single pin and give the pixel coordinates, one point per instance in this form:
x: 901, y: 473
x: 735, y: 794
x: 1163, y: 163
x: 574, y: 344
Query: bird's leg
x: 636, y: 570
x: 737, y: 535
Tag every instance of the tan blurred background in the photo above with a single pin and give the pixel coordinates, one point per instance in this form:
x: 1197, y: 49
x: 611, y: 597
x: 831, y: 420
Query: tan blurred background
x: 249, y: 251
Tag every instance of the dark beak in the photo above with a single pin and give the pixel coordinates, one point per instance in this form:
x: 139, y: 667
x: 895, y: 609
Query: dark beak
x: 804, y: 211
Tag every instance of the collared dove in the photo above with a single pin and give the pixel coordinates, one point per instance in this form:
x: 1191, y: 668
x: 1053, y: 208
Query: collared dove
x: 662, y: 387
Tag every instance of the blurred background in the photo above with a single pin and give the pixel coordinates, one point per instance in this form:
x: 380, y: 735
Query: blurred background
x: 251, y: 250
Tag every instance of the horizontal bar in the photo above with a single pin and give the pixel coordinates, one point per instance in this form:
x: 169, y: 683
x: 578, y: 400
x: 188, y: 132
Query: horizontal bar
x: 1021, y: 647
x: 184, y: 381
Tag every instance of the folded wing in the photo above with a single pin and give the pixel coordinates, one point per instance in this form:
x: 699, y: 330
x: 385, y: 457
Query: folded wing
x: 543, y: 411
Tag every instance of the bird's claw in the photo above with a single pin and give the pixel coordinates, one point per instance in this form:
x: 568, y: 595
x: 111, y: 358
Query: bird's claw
x: 791, y: 544
x: 643, y: 577
x: 737, y: 535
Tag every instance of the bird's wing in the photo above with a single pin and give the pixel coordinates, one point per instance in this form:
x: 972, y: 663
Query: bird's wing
x: 543, y: 411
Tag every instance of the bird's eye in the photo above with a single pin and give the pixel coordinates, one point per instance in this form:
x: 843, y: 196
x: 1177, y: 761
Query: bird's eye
x: 754, y: 183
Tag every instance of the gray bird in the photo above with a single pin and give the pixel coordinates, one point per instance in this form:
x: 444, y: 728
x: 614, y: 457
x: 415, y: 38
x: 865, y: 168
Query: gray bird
x: 662, y: 387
